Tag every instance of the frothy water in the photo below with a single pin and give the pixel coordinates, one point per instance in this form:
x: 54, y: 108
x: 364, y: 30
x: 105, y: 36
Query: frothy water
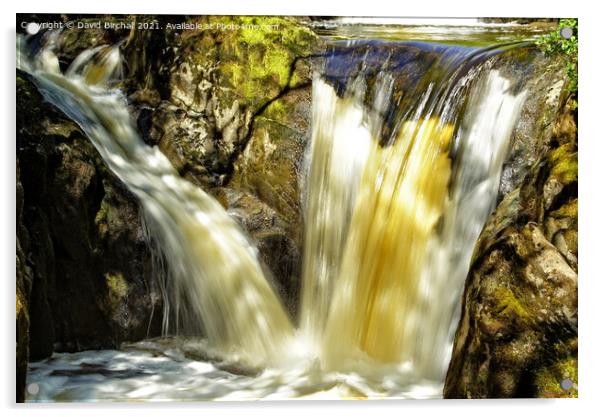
x: 174, y: 369
x: 399, y: 185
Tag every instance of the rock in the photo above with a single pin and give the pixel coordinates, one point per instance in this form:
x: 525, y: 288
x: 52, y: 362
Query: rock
x: 236, y: 121
x: 23, y: 288
x: 543, y: 77
x: 218, y: 80
x: 271, y: 164
x: 270, y: 167
x: 403, y: 74
x: 517, y: 335
x: 85, y: 275
x: 82, y: 239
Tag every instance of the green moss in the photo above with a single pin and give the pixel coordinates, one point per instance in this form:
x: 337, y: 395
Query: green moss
x: 102, y: 218
x: 257, y: 52
x: 564, y: 163
x: 278, y: 61
x: 276, y: 110
x: 295, y: 80
x: 549, y: 378
x: 117, y: 285
x: 101, y: 215
x: 509, y: 305
x: 260, y: 71
x: 570, y: 209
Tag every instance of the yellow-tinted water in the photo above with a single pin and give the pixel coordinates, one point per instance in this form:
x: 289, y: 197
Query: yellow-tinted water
x: 402, y: 194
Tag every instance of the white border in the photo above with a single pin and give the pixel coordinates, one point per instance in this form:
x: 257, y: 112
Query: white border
x: 590, y: 292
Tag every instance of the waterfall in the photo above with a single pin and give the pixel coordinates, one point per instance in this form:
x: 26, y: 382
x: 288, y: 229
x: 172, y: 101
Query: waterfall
x: 215, y: 284
x: 337, y: 154
x: 391, y: 222
x: 402, y: 172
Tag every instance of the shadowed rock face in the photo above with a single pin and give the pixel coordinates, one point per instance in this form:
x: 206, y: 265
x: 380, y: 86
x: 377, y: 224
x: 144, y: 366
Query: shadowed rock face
x: 234, y: 119
x: 81, y: 236
x: 23, y: 287
x: 209, y: 86
x: 83, y: 267
x: 517, y: 336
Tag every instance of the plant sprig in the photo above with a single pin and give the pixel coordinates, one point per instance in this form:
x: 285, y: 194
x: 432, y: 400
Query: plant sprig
x: 554, y: 43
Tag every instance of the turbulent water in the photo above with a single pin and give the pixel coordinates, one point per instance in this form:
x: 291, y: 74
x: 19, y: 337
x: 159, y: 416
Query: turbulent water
x: 403, y: 170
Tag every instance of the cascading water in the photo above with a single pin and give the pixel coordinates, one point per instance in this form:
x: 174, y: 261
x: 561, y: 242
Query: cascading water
x: 403, y: 170
x: 384, y: 288
x: 215, y: 285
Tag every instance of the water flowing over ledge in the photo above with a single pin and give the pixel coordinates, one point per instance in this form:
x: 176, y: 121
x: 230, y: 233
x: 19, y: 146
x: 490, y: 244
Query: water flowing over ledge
x: 387, y: 249
x: 397, y: 158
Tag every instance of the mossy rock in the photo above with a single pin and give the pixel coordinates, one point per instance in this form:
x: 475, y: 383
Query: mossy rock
x: 259, y: 63
x: 558, y: 380
x: 279, y: 253
x: 517, y: 335
x: 271, y: 165
x: 222, y: 77
x: 564, y: 163
x: 519, y: 321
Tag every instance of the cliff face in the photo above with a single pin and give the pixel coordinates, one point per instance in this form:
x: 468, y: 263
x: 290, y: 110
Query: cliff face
x: 517, y: 335
x: 229, y: 108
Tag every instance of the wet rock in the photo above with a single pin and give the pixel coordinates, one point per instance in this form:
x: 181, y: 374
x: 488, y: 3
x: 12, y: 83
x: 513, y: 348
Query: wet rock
x: 279, y: 253
x: 544, y: 79
x: 236, y: 121
x: 270, y: 168
x: 196, y: 95
x: 390, y: 77
x: 23, y: 287
x: 271, y: 165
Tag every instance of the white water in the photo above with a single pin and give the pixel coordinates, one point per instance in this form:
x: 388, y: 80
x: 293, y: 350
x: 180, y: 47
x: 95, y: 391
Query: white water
x: 337, y: 154
x: 484, y: 140
x: 171, y: 370
x: 216, y: 285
